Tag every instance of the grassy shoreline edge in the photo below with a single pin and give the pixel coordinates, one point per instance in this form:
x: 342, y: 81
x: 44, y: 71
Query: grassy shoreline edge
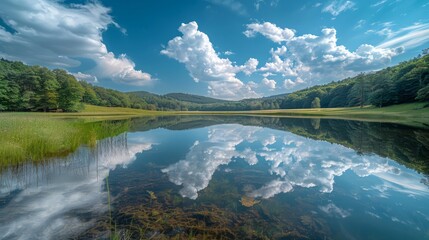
x: 409, y: 114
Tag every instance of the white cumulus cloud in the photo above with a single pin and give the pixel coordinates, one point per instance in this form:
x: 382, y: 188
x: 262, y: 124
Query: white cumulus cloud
x: 269, y: 30
x: 269, y: 83
x: 195, y: 50
x: 54, y: 34
x: 308, y: 57
x: 85, y: 77
x: 250, y: 66
x: 289, y: 83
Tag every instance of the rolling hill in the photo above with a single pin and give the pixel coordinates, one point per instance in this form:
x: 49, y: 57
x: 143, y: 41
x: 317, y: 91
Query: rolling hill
x: 185, y: 97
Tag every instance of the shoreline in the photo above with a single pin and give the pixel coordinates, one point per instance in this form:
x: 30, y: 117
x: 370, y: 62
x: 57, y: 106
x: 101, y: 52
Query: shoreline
x: 413, y: 114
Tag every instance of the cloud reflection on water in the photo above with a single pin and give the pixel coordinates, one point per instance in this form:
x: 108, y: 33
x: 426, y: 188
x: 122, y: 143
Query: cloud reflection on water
x: 195, y: 172
x: 295, y: 160
x: 50, y: 201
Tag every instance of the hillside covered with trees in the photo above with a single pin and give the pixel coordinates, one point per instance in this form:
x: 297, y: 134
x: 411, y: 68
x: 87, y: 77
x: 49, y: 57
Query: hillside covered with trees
x: 404, y: 83
x: 35, y: 88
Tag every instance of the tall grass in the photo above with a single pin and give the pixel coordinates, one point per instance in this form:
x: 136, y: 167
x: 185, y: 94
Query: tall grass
x: 34, y: 139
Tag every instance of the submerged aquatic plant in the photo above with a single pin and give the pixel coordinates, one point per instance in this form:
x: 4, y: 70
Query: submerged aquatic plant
x: 152, y: 195
x: 248, y: 201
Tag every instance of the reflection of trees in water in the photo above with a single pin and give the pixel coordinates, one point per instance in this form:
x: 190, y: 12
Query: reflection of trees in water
x: 59, y: 197
x: 407, y: 145
x: 315, y: 122
x: 84, y: 162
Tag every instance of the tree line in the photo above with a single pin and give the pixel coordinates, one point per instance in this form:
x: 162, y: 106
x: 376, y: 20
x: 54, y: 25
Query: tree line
x: 35, y: 88
x: 404, y: 83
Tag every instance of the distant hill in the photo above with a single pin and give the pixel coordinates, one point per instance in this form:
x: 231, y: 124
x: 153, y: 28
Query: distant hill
x: 143, y: 94
x: 159, y: 101
x: 185, y: 97
x: 278, y: 96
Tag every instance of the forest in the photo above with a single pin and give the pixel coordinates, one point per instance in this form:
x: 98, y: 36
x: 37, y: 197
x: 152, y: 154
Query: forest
x: 404, y: 83
x: 36, y: 88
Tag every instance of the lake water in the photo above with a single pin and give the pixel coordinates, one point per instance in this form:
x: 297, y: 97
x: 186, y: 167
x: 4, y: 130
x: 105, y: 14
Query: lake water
x: 228, y: 178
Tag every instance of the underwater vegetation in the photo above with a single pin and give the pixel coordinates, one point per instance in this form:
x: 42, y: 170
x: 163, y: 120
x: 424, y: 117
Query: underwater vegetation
x: 224, y: 211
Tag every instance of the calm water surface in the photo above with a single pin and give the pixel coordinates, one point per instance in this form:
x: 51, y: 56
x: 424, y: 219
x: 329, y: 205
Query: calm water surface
x: 230, y: 178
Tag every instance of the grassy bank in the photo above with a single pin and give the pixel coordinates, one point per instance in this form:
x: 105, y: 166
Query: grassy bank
x: 28, y: 138
x: 413, y: 114
x: 416, y: 114
x: 35, y: 136
x: 403, y: 113
x: 90, y: 113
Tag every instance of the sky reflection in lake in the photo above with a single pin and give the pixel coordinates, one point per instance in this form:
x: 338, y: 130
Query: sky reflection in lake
x: 294, y: 183
x: 50, y: 201
x: 295, y: 161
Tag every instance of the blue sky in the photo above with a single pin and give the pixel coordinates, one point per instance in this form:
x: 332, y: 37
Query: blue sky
x: 230, y: 49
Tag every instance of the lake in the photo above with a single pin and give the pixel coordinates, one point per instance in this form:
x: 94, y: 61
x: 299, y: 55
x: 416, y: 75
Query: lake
x: 196, y: 177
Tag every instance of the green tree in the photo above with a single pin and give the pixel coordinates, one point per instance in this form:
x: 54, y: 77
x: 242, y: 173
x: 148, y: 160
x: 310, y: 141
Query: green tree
x: 89, y: 95
x: 358, y: 93
x: 4, y: 87
x: 362, y: 90
x: 423, y: 94
x: 383, y: 90
x: 409, y: 84
x: 27, y: 84
x: 315, y: 103
x: 70, y: 92
x: 49, y: 89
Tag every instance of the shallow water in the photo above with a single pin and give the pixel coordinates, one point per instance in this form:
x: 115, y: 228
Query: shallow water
x: 228, y: 177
